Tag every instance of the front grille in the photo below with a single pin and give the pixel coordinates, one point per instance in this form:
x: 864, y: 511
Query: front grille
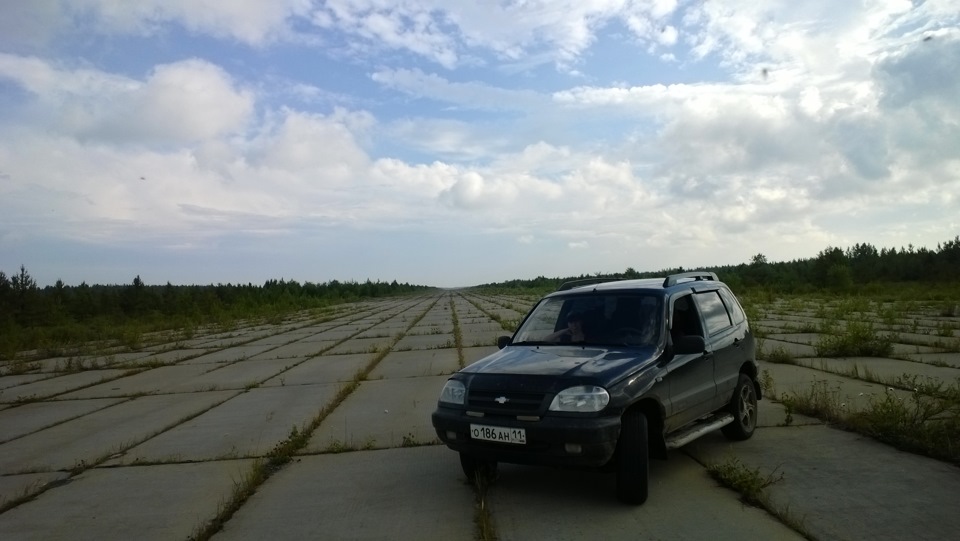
x: 505, y: 402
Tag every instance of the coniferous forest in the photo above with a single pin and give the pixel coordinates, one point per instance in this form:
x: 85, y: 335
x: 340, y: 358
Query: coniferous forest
x: 860, y: 268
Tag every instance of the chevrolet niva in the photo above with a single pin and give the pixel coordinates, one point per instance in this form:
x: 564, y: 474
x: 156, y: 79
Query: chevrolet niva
x: 606, y: 375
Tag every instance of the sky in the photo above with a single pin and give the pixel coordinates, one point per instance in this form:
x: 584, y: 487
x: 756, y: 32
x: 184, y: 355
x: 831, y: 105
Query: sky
x: 454, y: 143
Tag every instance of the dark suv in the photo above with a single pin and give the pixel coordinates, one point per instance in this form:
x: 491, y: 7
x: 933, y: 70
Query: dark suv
x: 607, y: 375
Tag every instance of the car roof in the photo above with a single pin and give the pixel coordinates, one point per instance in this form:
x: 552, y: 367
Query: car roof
x: 673, y: 281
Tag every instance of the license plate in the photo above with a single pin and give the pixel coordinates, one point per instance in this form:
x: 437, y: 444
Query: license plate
x: 498, y: 434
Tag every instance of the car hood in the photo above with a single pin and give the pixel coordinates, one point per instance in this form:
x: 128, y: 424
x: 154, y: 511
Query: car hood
x: 603, y: 364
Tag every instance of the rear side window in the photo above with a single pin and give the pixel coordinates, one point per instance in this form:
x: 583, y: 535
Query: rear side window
x: 714, y: 312
x: 733, y: 306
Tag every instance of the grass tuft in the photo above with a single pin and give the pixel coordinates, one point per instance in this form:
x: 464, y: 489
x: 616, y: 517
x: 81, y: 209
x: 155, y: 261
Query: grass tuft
x: 859, y: 339
x: 750, y: 483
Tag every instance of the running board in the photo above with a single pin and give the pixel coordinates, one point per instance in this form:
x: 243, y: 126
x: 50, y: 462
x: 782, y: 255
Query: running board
x: 685, y: 436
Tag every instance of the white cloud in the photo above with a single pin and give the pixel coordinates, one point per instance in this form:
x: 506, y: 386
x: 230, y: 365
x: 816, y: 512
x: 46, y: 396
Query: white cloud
x: 810, y: 112
x: 467, y: 95
x: 254, y: 22
x: 182, y: 102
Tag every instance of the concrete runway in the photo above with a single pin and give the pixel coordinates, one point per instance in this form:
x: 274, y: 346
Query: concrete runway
x: 153, y: 444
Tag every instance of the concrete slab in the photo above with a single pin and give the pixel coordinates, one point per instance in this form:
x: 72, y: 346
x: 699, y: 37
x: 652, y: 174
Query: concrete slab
x: 228, y: 355
x: 146, y: 382
x: 382, y: 413
x: 24, y: 419
x: 58, y: 385
x: 853, y: 394
x: 92, y: 437
x: 846, y: 486
x: 248, y: 425
x: 483, y: 338
x: 950, y: 359
x: 474, y: 354
x: 882, y: 368
x: 273, y: 339
x: 770, y: 413
x: 685, y: 503
x: 810, y: 338
x: 14, y: 380
x: 440, y: 327
x: 932, y: 340
x: 336, y: 334
x: 405, y: 364
x: 13, y: 487
x: 114, y: 358
x: 166, y: 357
x: 291, y: 351
x: 235, y: 376
x: 427, y: 341
x: 144, y: 503
x: 481, y: 326
x: 386, y: 494
x: 44, y: 365
x: 796, y: 350
x: 323, y: 369
x: 908, y: 349
x: 360, y: 345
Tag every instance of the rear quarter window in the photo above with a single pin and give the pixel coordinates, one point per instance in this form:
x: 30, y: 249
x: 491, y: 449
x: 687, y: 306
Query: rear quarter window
x: 714, y: 312
x: 733, y: 307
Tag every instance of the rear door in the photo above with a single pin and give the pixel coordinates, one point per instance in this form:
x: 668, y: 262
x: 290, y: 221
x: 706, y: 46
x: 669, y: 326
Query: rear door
x: 724, y: 339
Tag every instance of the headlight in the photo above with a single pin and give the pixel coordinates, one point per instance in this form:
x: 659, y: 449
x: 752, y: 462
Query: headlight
x: 583, y: 398
x: 453, y: 392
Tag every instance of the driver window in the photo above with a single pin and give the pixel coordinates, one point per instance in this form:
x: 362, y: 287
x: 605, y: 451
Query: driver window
x: 686, y: 319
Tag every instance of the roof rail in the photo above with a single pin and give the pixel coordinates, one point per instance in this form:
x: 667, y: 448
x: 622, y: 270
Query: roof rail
x: 584, y: 282
x: 695, y: 276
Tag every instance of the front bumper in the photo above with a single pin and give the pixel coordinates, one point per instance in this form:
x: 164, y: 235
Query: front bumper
x: 553, y: 441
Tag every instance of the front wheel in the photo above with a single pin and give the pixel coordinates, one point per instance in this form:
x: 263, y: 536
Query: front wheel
x: 633, y: 459
x: 743, y: 406
x: 478, y: 471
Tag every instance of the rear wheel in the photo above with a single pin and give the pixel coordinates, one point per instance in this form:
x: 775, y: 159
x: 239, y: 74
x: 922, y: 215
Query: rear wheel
x: 478, y: 470
x: 633, y: 459
x: 743, y: 406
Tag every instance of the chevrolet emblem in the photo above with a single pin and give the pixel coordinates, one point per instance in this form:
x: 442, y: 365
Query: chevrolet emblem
x: 501, y: 400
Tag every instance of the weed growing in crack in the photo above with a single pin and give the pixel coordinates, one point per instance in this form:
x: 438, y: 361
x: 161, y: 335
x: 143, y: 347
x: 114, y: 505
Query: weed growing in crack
x: 750, y: 483
x: 779, y: 355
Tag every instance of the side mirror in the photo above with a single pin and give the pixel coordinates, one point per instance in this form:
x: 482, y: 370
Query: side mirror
x: 503, y: 341
x: 689, y: 344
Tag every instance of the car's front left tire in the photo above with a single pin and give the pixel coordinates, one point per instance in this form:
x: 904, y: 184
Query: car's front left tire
x: 633, y: 459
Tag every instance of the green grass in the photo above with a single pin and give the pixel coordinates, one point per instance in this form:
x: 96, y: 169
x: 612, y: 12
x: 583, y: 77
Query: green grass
x: 749, y: 483
x: 778, y: 355
x: 858, y: 339
x: 482, y: 518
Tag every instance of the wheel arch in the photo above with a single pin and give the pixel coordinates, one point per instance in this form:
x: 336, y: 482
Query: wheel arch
x: 753, y: 372
x: 654, y: 413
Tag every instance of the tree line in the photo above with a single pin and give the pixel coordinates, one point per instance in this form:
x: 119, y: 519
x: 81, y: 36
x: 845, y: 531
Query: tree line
x: 58, y: 315
x: 833, y: 269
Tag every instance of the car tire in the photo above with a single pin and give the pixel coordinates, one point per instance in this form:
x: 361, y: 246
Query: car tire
x: 478, y: 470
x: 743, y: 406
x: 633, y: 459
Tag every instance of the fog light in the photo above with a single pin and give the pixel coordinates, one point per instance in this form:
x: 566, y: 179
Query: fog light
x: 572, y: 448
x: 451, y: 435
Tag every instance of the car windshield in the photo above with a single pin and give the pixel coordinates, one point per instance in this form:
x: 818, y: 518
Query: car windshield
x: 601, y: 319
